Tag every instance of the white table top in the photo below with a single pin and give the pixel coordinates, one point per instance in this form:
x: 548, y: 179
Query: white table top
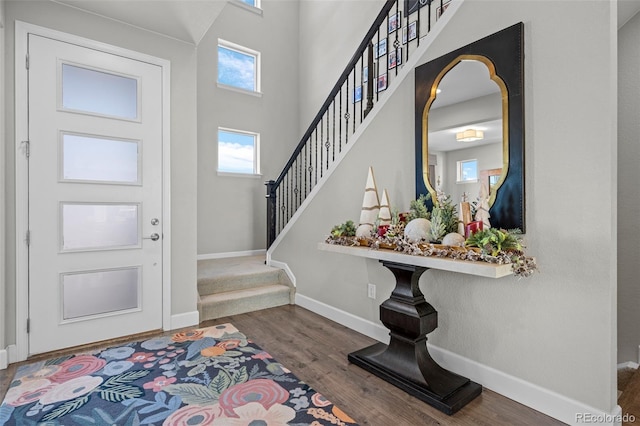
x: 482, y: 269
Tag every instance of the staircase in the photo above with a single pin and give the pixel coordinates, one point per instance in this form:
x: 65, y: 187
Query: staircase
x: 393, y: 38
x: 242, y: 284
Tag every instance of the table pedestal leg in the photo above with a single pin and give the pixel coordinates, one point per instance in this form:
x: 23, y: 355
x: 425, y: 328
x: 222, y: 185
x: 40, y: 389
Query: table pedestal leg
x: 406, y: 362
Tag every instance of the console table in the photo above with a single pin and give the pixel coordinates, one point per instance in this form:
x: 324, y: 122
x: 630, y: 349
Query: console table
x: 405, y: 362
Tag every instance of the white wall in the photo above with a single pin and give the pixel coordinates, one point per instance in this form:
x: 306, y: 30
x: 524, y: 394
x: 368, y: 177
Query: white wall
x: 231, y: 209
x: 555, y: 330
x: 183, y: 134
x: 330, y: 32
x: 628, y: 191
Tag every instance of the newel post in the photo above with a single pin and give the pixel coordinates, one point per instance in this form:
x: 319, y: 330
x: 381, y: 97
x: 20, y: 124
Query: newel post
x: 271, y: 212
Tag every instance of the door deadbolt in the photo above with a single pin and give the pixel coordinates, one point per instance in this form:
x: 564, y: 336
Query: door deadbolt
x: 155, y: 221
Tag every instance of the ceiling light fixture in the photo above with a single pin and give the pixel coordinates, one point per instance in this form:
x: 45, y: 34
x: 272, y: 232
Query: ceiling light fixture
x: 469, y: 135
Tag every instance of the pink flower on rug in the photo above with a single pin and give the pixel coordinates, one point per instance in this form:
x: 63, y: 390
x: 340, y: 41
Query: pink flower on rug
x: 71, y: 389
x: 264, y: 391
x: 158, y: 383
x: 78, y: 366
x: 262, y: 355
x: 319, y: 400
x: 194, y: 415
x: 217, y: 331
x: 229, y: 344
x: 142, y: 357
x: 27, y: 392
x: 187, y: 336
x: 254, y: 413
x: 43, y: 373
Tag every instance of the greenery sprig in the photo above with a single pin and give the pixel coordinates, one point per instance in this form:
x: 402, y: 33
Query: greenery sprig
x: 495, y: 240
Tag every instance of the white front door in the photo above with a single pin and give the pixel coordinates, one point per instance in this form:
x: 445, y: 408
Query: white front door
x: 95, y: 195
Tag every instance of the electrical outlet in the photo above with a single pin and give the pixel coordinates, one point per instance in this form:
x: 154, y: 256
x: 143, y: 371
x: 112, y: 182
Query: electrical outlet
x: 371, y: 291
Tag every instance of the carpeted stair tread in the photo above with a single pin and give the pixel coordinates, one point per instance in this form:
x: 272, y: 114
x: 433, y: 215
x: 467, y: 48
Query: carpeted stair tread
x: 630, y: 398
x: 241, y: 301
x: 239, y: 281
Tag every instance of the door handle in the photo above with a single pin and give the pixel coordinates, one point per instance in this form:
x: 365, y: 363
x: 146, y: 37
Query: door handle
x: 152, y: 237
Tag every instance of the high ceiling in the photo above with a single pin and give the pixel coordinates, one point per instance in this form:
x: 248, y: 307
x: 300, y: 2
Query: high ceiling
x: 185, y: 20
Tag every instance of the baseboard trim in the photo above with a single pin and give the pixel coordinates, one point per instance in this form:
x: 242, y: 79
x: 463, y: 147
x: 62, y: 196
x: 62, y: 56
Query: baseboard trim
x: 4, y: 359
x: 362, y: 326
x: 540, y: 399
x: 231, y: 254
x: 187, y: 319
x: 628, y: 364
x: 285, y: 268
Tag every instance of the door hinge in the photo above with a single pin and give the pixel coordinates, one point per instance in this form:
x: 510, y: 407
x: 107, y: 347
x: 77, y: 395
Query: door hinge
x: 28, y: 239
x: 27, y: 148
x: 28, y: 325
x: 27, y: 61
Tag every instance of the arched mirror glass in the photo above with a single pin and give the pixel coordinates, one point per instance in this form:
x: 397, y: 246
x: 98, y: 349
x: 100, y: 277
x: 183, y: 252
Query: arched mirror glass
x: 466, y: 138
x: 469, y: 125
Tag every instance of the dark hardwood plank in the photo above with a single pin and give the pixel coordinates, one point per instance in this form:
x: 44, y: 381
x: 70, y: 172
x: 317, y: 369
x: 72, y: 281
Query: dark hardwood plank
x: 316, y: 349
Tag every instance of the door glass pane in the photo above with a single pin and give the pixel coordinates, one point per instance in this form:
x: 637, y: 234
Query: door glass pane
x: 99, y: 226
x: 100, y: 292
x: 89, y: 158
x: 99, y: 92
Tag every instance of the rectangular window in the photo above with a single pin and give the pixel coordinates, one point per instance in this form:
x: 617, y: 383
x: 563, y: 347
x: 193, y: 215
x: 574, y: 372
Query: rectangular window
x: 90, y: 293
x: 467, y: 171
x: 88, y: 158
x: 98, y: 92
x: 238, y: 67
x: 238, y: 152
x: 99, y: 226
x: 254, y: 3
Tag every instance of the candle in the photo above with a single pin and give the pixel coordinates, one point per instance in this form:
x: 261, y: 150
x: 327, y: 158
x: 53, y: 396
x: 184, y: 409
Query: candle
x: 472, y: 227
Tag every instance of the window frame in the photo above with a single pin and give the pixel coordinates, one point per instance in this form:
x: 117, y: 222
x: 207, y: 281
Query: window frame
x: 460, y: 168
x: 255, y: 7
x: 256, y: 69
x: 256, y: 153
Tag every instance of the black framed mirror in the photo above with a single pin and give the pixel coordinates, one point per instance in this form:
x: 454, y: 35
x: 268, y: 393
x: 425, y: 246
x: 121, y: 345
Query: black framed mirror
x: 469, y: 125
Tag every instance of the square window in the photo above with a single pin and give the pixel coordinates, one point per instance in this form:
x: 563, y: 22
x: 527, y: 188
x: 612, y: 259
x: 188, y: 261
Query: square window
x: 238, y: 67
x: 467, y: 171
x: 238, y: 152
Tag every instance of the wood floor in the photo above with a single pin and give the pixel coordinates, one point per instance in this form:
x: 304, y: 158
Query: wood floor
x: 315, y: 349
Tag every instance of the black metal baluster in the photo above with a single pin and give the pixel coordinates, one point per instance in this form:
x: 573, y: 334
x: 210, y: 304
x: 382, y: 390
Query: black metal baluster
x: 333, y: 125
x: 377, y: 57
x: 361, y: 87
x: 353, y: 102
x: 396, y: 43
x: 322, y: 142
x: 339, y: 123
x: 300, y: 164
x: 369, y: 80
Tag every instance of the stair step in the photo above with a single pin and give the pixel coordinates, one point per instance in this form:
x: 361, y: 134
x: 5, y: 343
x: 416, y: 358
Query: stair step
x: 223, y: 275
x: 241, y: 301
x: 238, y: 281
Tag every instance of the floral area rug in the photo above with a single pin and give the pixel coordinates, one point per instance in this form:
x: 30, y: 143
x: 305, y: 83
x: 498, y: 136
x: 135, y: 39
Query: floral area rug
x: 211, y: 376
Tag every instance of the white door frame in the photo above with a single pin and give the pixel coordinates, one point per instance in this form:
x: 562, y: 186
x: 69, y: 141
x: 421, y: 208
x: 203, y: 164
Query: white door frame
x: 22, y: 30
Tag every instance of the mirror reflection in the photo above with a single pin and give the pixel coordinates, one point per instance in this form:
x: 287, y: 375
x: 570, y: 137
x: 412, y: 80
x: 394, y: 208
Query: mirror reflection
x: 466, y: 143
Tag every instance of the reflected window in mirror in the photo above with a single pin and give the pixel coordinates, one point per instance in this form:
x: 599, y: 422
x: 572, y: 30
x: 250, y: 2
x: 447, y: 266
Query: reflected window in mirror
x: 467, y: 171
